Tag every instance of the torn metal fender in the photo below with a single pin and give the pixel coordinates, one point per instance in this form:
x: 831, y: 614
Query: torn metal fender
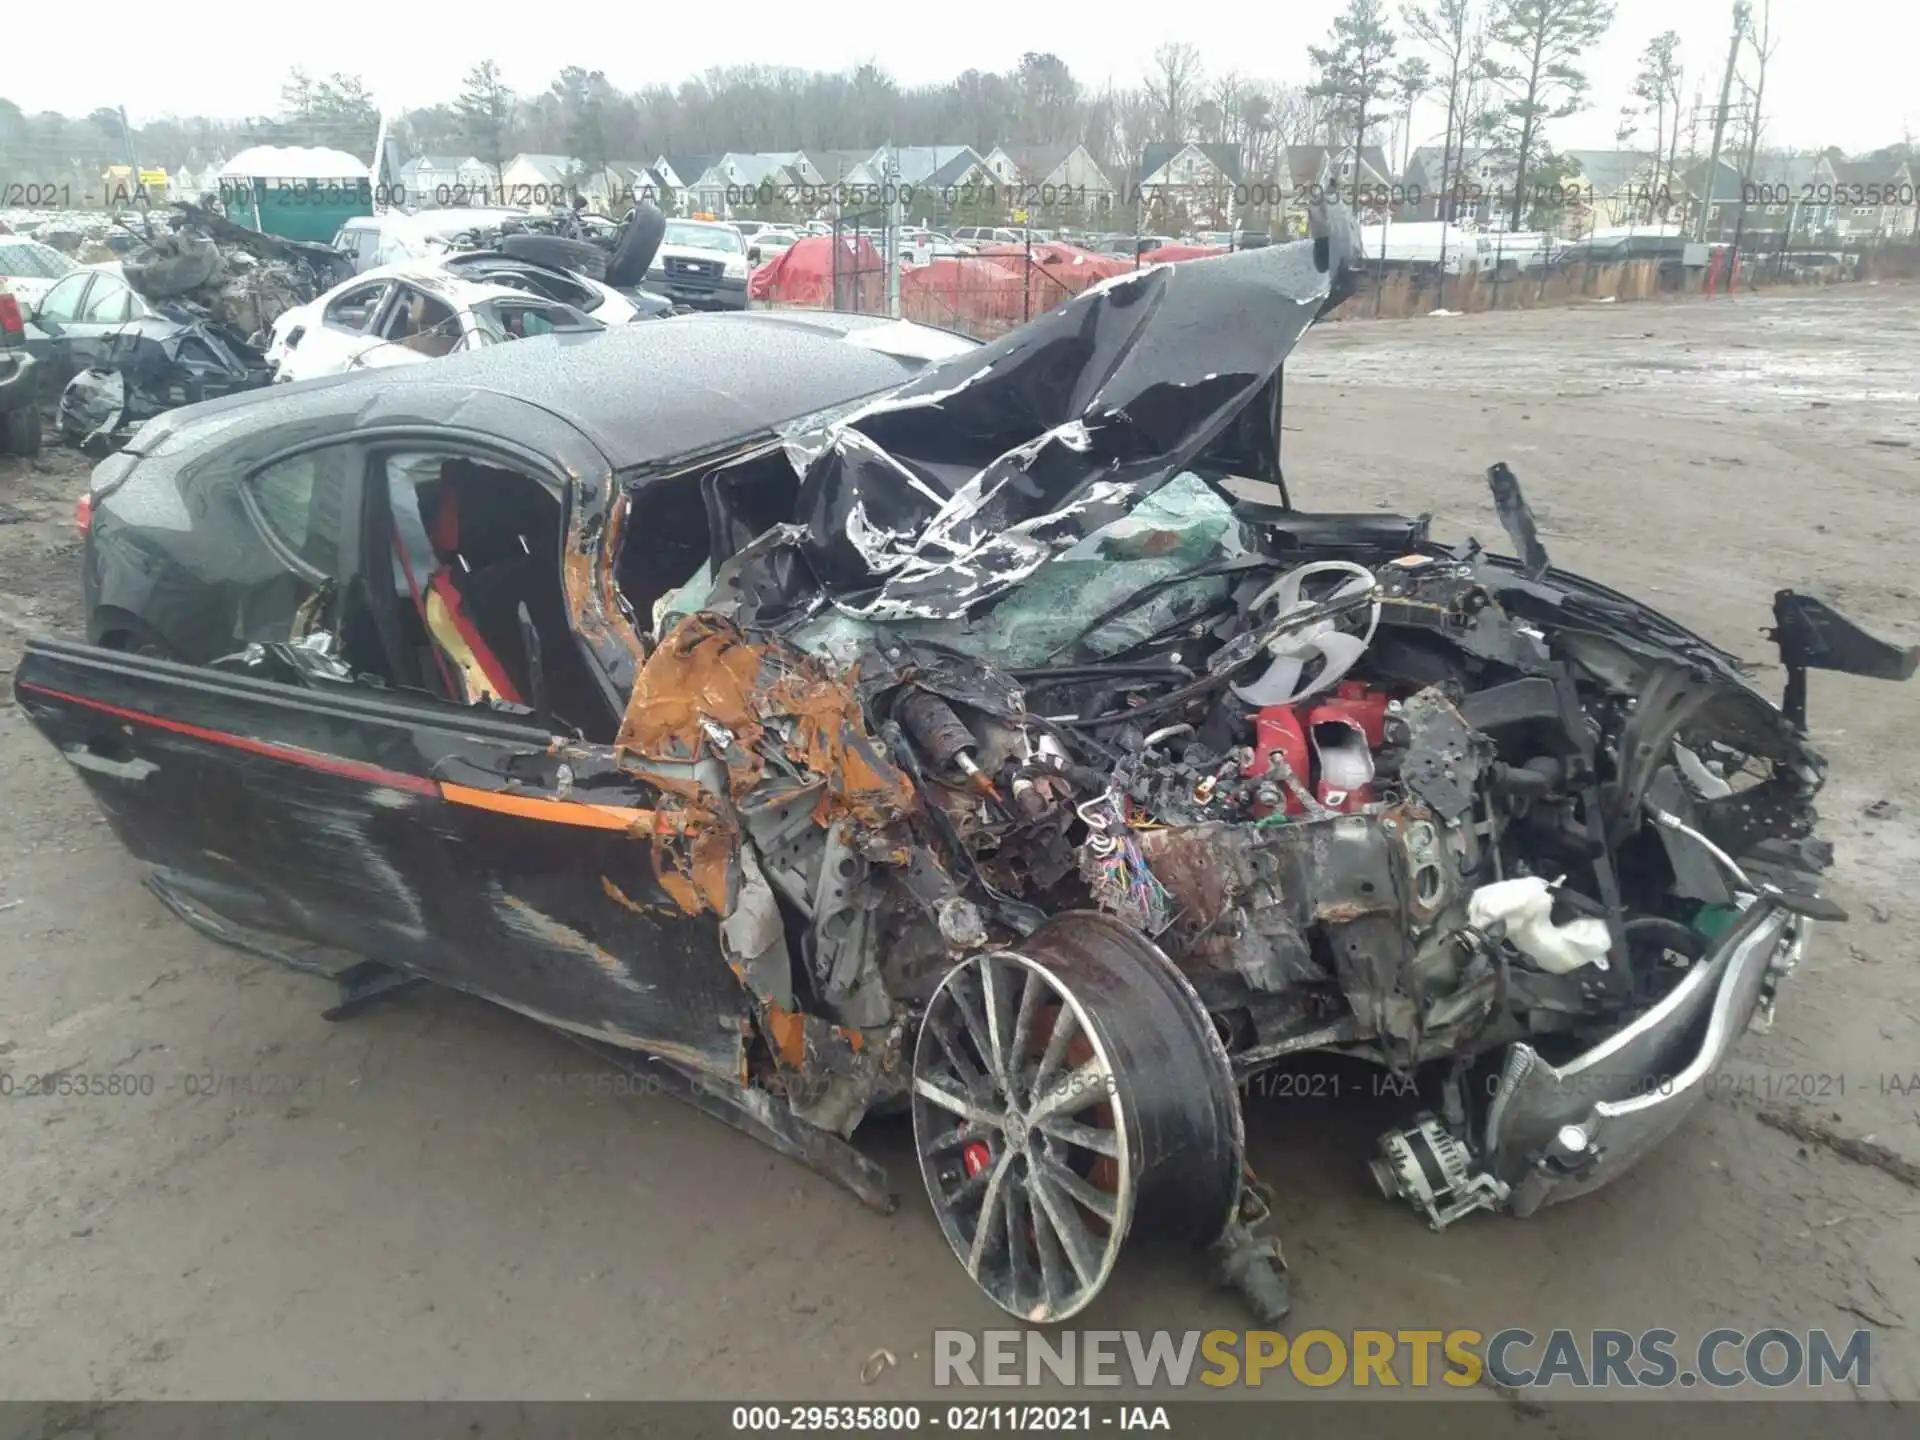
x: 774, y: 723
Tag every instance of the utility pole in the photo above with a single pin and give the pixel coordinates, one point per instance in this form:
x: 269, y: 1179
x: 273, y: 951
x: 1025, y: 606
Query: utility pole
x: 894, y: 220
x: 1740, y: 12
x: 135, y: 190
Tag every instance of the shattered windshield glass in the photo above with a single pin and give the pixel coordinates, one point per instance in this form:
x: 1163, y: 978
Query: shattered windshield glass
x: 1134, y: 578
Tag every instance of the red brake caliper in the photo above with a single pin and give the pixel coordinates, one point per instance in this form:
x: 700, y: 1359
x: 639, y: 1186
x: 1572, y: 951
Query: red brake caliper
x: 975, y: 1157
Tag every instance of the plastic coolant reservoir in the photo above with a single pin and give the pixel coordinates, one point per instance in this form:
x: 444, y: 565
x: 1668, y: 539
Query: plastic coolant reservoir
x: 1526, y: 905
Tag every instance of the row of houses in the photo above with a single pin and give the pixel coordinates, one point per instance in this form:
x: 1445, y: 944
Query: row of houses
x: 1825, y: 194
x: 1786, y: 196
x: 734, y: 183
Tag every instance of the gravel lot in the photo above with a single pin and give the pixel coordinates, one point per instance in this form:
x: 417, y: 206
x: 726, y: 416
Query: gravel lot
x: 419, y: 1203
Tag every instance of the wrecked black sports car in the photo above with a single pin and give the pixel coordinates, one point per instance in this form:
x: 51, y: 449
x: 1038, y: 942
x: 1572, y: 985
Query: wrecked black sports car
x: 1001, y: 744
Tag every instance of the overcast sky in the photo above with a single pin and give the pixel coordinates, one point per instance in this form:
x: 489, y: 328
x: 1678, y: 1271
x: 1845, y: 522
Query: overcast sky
x: 1843, y: 74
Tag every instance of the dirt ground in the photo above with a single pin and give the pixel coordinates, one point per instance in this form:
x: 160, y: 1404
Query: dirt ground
x: 429, y: 1202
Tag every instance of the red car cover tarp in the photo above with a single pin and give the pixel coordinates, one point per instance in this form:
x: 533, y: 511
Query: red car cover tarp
x: 806, y: 274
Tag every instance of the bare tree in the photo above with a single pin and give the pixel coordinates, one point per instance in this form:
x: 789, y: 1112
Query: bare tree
x: 1657, y: 86
x: 1047, y: 98
x: 1226, y: 94
x: 1537, y: 44
x: 1412, y: 80
x: 1256, y: 125
x: 1449, y: 29
x: 1173, y: 85
x: 1763, y: 42
x: 297, y: 95
x: 1137, y: 119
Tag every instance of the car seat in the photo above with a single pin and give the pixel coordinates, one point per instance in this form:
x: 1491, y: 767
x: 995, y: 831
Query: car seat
x: 469, y: 665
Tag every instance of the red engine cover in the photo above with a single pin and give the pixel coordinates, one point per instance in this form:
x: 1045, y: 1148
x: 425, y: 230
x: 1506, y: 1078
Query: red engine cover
x: 1277, y: 730
x: 1354, y: 701
x: 1286, y: 729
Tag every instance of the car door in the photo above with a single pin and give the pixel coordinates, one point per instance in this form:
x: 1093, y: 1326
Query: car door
x: 342, y: 332
x: 109, y: 304
x: 435, y: 838
x: 58, y: 309
x: 462, y: 843
x: 411, y: 326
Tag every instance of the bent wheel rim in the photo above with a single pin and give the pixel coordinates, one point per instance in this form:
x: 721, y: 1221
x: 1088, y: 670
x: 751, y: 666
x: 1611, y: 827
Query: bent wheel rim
x: 1023, y: 1136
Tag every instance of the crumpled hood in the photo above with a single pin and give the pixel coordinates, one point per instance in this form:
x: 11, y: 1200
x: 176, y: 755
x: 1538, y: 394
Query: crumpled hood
x: 965, y: 480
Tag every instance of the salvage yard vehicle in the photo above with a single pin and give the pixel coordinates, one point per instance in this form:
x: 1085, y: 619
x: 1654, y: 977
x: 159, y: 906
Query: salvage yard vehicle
x: 403, y: 314
x: 19, y: 384
x: 370, y: 241
x: 770, y: 242
x: 148, y: 365
x: 701, y: 263
x: 75, y: 319
x: 107, y: 359
x: 822, y: 734
x: 591, y: 297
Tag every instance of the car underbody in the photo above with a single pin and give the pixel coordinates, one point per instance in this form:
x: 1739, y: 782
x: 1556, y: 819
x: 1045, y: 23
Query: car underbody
x: 1046, y: 773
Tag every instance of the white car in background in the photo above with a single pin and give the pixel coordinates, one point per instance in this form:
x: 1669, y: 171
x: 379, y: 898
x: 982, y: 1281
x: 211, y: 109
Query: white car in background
x: 923, y: 247
x: 390, y: 239
x: 29, y: 269
x: 769, y: 242
x: 403, y: 314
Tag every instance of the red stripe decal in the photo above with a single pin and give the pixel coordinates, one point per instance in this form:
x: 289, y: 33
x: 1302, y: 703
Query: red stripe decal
x: 291, y: 754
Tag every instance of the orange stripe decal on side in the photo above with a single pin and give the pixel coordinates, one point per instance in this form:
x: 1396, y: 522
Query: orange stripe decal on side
x: 558, y: 812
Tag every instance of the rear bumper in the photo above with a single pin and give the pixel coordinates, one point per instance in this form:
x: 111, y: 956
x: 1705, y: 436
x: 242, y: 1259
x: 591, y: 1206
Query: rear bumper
x: 19, y: 380
x: 1554, y: 1132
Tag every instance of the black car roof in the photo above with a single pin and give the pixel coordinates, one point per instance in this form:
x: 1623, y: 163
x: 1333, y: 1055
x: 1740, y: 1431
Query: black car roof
x: 648, y: 390
x: 652, y: 389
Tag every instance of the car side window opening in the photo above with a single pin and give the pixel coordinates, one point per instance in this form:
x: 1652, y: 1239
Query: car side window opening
x: 472, y: 543
x: 356, y: 307
x: 520, y: 320
x: 107, y: 304
x: 300, y: 500
x: 62, y: 302
x: 422, y: 323
x: 681, y: 528
x: 299, y: 503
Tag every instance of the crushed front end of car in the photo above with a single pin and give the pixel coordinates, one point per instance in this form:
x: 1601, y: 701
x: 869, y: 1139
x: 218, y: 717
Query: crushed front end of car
x: 154, y: 364
x: 1062, y: 776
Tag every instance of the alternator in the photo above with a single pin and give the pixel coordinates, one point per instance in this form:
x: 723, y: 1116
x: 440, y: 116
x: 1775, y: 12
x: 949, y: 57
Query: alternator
x: 1432, y: 1170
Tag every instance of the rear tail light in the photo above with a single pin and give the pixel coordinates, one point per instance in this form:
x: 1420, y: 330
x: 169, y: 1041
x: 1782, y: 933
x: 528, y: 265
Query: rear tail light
x: 10, y: 321
x: 83, y: 513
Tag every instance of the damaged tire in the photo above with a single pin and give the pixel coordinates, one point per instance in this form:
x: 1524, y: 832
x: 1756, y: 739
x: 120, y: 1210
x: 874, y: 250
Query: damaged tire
x: 576, y: 255
x: 164, y: 276
x: 1064, y: 1093
x: 639, y: 243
